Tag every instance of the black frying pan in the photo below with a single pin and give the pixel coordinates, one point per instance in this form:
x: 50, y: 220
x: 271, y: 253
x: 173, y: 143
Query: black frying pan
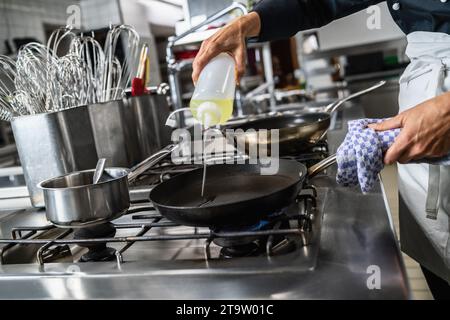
x: 234, y: 194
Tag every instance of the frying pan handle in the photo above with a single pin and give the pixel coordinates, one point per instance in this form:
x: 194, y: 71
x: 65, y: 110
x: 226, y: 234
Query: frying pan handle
x: 333, y: 106
x: 150, y: 162
x: 320, y: 166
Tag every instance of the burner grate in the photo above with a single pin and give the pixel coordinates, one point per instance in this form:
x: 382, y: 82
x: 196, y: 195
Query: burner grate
x: 145, y: 221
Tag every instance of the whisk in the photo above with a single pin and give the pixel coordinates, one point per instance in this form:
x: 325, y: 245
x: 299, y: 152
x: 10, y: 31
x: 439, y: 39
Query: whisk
x: 7, y: 76
x: 113, y: 87
x: 46, y: 79
x: 21, y: 101
x: 33, y: 63
x: 92, y: 53
x: 70, y: 80
x: 59, y: 36
x: 9, y: 107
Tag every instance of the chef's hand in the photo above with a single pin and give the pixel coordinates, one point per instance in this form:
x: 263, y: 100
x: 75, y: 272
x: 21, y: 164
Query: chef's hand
x: 425, y: 131
x: 230, y: 39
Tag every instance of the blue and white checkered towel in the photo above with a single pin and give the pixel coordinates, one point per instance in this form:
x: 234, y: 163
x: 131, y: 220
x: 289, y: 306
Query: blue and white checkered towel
x: 360, y: 156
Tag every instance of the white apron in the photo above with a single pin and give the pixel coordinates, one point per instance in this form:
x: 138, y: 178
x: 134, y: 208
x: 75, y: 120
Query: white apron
x: 425, y: 189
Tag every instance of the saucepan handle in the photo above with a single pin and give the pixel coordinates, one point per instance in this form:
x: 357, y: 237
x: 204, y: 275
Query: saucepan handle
x: 322, y: 165
x: 150, y: 162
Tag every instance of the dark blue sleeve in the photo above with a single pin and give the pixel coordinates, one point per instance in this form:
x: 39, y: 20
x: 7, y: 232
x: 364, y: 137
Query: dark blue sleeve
x: 284, y: 18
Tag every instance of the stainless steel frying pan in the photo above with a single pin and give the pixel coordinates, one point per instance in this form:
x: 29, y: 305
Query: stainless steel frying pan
x: 294, y: 127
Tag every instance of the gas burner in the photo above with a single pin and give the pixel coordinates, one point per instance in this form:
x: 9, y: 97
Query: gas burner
x: 247, y: 250
x: 241, y: 243
x: 235, y: 242
x: 97, y: 251
x: 254, y: 245
x: 100, y: 253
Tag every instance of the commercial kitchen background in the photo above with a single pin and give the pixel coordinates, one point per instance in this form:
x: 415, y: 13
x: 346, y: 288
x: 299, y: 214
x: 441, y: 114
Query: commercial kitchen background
x: 345, y: 55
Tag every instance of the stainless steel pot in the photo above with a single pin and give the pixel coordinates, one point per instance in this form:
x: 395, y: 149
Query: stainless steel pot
x: 114, y: 131
x: 128, y: 130
x: 148, y: 117
x: 73, y: 201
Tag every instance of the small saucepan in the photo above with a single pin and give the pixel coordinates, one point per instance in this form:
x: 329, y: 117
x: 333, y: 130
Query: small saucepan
x: 74, y: 201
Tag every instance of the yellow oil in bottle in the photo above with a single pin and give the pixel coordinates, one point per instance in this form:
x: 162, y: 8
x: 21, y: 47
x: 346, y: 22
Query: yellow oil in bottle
x: 212, y: 112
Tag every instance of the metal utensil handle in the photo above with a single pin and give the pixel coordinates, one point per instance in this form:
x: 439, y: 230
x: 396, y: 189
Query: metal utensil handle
x: 322, y: 165
x: 150, y: 162
x: 99, y: 168
x: 333, y: 106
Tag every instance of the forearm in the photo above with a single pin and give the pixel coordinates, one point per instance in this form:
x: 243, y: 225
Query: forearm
x: 444, y: 101
x: 284, y: 18
x: 425, y: 131
x: 250, y: 24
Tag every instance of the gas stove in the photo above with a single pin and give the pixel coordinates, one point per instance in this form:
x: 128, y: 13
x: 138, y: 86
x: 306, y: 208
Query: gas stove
x: 280, y: 233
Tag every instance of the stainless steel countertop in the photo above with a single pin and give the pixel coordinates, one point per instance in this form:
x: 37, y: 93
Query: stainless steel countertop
x: 356, y: 233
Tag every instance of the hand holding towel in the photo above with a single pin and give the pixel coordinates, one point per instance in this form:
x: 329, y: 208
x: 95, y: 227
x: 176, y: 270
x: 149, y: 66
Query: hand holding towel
x: 360, y: 156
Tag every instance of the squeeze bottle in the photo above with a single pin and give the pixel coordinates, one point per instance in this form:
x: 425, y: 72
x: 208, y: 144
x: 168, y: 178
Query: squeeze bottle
x: 213, y: 97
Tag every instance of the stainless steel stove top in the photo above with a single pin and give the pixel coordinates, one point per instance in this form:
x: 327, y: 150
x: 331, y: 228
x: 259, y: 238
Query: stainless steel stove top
x: 143, y: 234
